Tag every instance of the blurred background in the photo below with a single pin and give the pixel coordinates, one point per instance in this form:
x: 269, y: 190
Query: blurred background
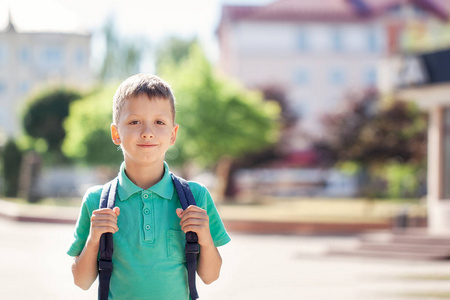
x: 312, y: 123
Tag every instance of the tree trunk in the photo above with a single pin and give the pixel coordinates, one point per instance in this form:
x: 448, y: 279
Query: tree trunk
x: 222, y: 170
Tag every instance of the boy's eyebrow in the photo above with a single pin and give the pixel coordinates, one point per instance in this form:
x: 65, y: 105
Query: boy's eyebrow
x: 140, y: 115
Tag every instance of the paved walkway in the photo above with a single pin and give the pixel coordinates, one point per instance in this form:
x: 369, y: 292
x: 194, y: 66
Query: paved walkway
x: 33, y: 265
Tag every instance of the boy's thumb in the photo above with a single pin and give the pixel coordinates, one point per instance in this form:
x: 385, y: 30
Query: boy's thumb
x: 116, y: 210
x: 179, y: 211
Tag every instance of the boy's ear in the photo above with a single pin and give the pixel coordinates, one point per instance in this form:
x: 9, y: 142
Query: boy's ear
x: 174, y: 134
x: 115, y: 135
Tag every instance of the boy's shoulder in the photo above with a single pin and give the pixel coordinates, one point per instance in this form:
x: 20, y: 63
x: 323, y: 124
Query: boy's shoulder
x: 200, y: 192
x: 95, y: 190
x: 92, y: 195
x: 197, y: 187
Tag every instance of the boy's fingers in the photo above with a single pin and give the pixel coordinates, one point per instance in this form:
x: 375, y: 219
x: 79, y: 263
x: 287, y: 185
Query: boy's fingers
x: 105, y: 224
x: 193, y: 222
x: 194, y: 215
x: 107, y: 217
x: 105, y: 212
x: 194, y: 208
x: 179, y: 211
x: 116, y: 210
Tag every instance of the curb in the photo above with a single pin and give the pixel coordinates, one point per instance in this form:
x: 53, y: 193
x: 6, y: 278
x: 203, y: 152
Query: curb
x: 69, y: 215
x: 38, y: 213
x: 303, y: 228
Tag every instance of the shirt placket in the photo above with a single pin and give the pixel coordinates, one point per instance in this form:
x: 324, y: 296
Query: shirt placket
x: 147, y: 212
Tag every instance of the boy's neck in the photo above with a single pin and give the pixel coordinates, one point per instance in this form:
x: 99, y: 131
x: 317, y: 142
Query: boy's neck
x: 144, y: 176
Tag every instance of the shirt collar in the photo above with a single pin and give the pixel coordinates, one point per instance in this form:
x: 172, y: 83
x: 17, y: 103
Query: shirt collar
x: 164, y: 188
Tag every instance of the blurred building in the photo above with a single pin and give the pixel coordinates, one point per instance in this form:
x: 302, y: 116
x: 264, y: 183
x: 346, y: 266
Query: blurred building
x: 425, y: 79
x: 315, y: 52
x: 41, y: 44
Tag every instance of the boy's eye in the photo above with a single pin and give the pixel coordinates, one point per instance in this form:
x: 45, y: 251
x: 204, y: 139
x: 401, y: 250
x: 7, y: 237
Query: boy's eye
x: 134, y: 122
x: 160, y: 122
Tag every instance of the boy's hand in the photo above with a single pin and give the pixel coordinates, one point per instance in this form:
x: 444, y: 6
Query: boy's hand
x: 102, y: 221
x: 196, y: 219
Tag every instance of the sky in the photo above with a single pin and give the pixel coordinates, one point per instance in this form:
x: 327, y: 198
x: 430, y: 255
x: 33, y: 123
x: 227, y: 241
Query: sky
x: 151, y: 19
x: 156, y: 19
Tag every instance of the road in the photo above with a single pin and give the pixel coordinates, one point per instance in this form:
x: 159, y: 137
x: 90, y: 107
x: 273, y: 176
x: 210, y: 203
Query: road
x: 33, y: 265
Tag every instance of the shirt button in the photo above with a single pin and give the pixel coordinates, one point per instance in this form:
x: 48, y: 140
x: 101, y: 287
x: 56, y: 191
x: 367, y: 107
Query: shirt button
x: 145, y: 196
x: 146, y: 211
x: 147, y: 227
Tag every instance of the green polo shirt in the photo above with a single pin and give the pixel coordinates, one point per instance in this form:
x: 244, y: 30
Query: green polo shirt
x: 148, y: 259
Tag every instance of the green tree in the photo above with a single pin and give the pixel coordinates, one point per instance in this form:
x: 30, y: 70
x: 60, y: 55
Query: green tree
x: 220, y: 121
x: 44, y: 116
x: 385, y: 140
x: 173, y: 50
x: 88, y: 138
x: 11, y: 162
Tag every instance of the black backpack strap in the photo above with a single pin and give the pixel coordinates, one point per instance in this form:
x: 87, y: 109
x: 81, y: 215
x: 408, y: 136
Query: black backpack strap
x: 192, y: 248
x: 106, y: 248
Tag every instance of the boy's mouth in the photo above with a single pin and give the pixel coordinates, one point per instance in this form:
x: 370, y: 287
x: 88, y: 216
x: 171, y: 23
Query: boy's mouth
x: 146, y: 145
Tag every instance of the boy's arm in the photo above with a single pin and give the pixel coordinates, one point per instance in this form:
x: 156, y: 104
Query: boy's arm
x: 196, y: 219
x: 84, y: 267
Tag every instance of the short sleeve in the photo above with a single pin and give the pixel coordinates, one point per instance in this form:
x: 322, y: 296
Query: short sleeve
x: 82, y: 227
x: 217, y: 229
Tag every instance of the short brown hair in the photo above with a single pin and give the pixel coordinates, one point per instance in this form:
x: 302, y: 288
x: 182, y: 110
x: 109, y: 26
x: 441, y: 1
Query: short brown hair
x: 151, y: 85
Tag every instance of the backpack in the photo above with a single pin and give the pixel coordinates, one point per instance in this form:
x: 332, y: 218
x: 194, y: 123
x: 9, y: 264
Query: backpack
x: 192, y: 248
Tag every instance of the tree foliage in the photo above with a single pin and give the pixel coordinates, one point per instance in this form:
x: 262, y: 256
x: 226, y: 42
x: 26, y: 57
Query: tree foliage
x: 11, y: 162
x: 44, y: 115
x: 88, y: 137
x: 371, y: 133
x: 217, y: 117
x: 172, y: 50
x: 384, y: 139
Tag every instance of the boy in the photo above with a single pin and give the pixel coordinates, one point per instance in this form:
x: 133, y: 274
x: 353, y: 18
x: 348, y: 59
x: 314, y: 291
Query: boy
x: 148, y: 224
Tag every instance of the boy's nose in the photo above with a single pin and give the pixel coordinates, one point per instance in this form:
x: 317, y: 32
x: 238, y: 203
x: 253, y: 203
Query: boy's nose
x: 147, y: 132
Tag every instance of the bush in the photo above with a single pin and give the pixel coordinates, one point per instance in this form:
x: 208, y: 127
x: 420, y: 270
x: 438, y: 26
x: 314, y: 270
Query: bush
x: 11, y: 161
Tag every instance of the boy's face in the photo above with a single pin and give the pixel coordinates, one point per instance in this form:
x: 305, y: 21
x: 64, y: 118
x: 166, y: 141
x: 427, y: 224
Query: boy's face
x: 145, y: 130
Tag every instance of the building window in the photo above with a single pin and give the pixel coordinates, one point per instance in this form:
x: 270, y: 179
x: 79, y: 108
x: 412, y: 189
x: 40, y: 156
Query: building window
x: 395, y: 11
x: 3, y: 54
x: 79, y: 57
x: 445, y: 190
x: 336, y: 40
x: 53, y: 57
x: 302, y: 77
x: 370, y: 76
x: 419, y: 12
x: 302, y: 40
x: 2, y: 88
x: 337, y: 76
x: 24, y: 87
x: 25, y: 55
x: 372, y: 40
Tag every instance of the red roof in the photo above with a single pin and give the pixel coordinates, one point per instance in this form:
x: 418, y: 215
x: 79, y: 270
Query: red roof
x: 326, y: 10
x: 440, y: 8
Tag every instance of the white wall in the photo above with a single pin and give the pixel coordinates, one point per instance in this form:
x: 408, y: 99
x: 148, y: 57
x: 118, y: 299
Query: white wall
x: 30, y: 61
x: 316, y: 63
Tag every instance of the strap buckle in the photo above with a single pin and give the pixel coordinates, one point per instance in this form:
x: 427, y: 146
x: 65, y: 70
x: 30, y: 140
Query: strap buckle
x: 105, y: 265
x: 192, y: 248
